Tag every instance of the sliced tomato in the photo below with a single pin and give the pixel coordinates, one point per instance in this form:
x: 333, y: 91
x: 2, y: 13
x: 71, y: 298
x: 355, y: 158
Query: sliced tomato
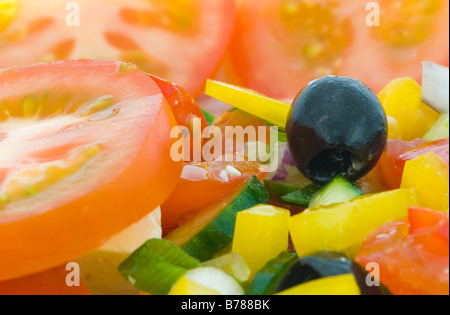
x: 281, y: 45
x: 48, y: 282
x: 181, y: 41
x: 84, y: 153
x: 203, y: 184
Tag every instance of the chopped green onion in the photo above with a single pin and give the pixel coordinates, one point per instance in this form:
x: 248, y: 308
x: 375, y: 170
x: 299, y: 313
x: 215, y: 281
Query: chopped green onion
x: 301, y: 197
x: 156, y: 266
x: 209, y: 117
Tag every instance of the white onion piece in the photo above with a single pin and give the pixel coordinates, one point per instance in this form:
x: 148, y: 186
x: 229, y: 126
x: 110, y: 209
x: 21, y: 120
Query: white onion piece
x: 435, y: 86
x: 215, y: 279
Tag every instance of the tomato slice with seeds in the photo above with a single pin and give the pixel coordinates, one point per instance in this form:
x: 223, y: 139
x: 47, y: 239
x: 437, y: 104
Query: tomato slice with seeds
x: 287, y: 43
x: 180, y: 40
x: 84, y: 153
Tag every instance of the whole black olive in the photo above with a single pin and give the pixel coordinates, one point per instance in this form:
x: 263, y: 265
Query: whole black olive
x: 336, y: 125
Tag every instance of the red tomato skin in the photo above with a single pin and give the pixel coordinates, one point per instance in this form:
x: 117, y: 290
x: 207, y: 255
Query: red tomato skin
x: 182, y: 104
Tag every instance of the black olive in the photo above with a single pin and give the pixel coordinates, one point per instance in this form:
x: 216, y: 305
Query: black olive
x: 328, y: 264
x: 320, y: 265
x: 336, y: 125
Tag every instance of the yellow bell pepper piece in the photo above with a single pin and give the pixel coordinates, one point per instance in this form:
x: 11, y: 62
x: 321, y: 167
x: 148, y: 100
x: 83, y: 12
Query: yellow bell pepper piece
x: 185, y: 286
x: 343, y: 227
x: 261, y: 233
x: 428, y: 174
x: 8, y: 11
x: 268, y: 109
x: 336, y: 285
x: 402, y: 100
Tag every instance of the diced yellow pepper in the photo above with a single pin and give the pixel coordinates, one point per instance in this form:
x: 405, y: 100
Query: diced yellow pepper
x: 343, y: 227
x: 186, y: 286
x: 428, y: 174
x: 402, y: 100
x: 336, y: 285
x: 8, y: 11
x: 249, y: 101
x: 261, y: 233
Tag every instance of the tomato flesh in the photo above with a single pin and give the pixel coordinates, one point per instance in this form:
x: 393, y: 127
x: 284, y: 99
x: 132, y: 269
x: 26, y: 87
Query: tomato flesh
x: 85, y: 152
x: 409, y: 264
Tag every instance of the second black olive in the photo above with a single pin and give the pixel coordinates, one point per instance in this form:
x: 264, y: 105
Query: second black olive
x: 337, y: 125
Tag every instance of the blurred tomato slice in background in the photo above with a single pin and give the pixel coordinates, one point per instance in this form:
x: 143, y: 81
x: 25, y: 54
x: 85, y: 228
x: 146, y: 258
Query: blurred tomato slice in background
x: 179, y: 40
x: 281, y: 45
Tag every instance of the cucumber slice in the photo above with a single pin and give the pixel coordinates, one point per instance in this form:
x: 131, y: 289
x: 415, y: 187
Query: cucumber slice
x: 439, y: 130
x: 156, y: 266
x: 267, y: 279
x: 212, y: 230
x: 338, y: 190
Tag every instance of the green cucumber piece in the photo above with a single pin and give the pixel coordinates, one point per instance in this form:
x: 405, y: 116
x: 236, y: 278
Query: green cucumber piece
x: 302, y: 197
x: 439, y: 130
x: 209, y: 117
x: 268, y: 278
x: 340, y: 189
x: 212, y: 231
x: 156, y: 266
